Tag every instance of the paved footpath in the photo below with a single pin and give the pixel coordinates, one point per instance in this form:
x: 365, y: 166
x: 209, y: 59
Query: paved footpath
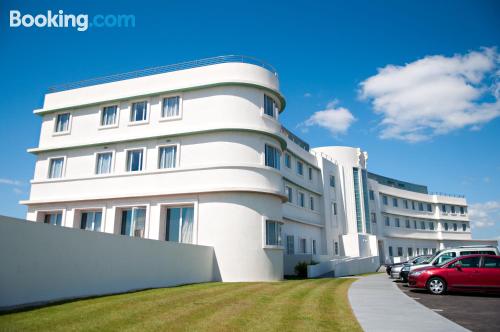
x: 380, y: 306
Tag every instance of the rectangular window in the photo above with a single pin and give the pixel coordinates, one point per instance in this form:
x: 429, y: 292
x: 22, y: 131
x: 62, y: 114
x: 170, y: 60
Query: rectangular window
x: 400, y: 251
x: 385, y: 199
x: 272, y: 156
x: 429, y: 207
x: 270, y: 106
x: 53, y: 218
x: 273, y: 233
x: 462, y: 211
x: 420, y: 206
x: 289, y: 193
x: 407, y: 222
x: 390, y: 251
x: 410, y: 252
x: 387, y: 221
x: 288, y: 160
x: 179, y: 224
x: 62, y: 122
x: 300, y: 168
x: 56, y: 168
x: 167, y: 156
x: 394, y: 202
x: 422, y: 224
x: 357, y: 199
x: 311, y: 202
x: 301, y: 199
x: 396, y: 222
x: 334, y: 209
x: 103, y: 163
x: 170, y: 107
x: 372, y: 195
x: 464, y: 227
x: 336, y: 248
x: 431, y: 225
x: 332, y: 181
x: 406, y: 203
x: 426, y: 251
x: 134, y: 222
x: 455, y: 227
x: 303, y: 246
x: 134, y: 160
x: 415, y: 224
x: 453, y: 209
x: 91, y: 221
x: 109, y: 115
x: 139, y: 111
x: 491, y: 262
x: 290, y: 245
x: 443, y: 208
x: 366, y: 205
x: 374, y: 217
x: 445, y: 226
x: 314, y: 247
x: 310, y: 173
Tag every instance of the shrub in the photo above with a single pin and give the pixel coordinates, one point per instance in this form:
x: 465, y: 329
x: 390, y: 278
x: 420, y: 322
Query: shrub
x: 301, y: 269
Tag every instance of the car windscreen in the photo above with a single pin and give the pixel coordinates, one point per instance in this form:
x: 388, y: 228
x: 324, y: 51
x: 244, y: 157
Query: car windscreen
x: 444, y: 258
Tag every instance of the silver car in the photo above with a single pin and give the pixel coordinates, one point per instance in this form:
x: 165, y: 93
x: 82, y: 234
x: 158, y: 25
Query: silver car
x: 396, y: 270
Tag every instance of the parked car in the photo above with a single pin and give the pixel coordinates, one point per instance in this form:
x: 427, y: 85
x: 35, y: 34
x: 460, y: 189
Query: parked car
x: 395, y: 271
x: 388, y: 267
x: 446, y: 255
x: 469, y: 272
x: 405, y: 269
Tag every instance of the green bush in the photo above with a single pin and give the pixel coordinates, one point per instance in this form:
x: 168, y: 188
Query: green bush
x: 301, y: 269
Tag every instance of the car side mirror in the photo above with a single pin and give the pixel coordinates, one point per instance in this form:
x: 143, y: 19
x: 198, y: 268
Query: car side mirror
x: 458, y: 267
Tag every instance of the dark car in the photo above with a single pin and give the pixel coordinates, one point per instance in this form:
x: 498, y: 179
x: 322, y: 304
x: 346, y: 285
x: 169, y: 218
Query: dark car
x: 470, y: 272
x: 405, y: 270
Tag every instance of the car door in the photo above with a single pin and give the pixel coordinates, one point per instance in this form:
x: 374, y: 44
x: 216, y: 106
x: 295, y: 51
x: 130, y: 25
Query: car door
x: 465, y: 276
x: 490, y: 271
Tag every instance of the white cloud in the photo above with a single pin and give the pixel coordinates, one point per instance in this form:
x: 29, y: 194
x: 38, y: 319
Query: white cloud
x: 484, y: 214
x: 336, y: 119
x: 307, y: 95
x: 435, y: 95
x: 11, y: 182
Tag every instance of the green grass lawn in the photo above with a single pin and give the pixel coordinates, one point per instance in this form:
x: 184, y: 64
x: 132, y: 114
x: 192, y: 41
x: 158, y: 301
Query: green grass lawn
x: 291, y: 305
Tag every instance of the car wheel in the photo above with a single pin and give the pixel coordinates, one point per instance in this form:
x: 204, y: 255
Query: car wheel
x: 436, y: 286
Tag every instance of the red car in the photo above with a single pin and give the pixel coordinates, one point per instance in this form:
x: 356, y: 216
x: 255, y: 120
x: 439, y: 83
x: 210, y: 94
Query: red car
x: 470, y: 272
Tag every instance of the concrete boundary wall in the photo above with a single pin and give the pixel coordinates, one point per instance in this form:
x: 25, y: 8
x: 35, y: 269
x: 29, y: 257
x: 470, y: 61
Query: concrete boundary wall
x: 42, y: 263
x: 344, y: 266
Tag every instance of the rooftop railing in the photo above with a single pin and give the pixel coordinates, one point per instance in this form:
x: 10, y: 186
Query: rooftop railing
x: 294, y: 138
x: 164, y: 69
x: 447, y: 195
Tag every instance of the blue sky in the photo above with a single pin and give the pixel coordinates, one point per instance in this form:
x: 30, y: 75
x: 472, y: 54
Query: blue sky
x: 328, y: 55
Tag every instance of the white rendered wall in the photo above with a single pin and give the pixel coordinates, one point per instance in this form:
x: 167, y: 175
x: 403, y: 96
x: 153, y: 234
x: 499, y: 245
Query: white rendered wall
x: 45, y: 263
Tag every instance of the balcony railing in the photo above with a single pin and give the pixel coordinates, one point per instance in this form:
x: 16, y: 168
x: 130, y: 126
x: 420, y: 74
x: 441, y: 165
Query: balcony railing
x: 447, y: 195
x: 164, y: 69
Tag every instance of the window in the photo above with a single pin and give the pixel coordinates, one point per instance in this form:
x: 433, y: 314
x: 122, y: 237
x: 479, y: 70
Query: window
x: 384, y: 199
x: 410, y: 252
x: 462, y: 210
x: 288, y: 160
x: 400, y: 251
x: 301, y: 199
x: 62, y: 122
x: 290, y: 245
x: 426, y: 251
x: 289, y: 193
x: 464, y: 227
x: 413, y: 205
x: 179, y: 224
x: 272, y: 156
x: 455, y: 227
x: 91, y: 221
x: 433, y: 251
x: 334, y: 209
x: 139, y: 111
x: 53, y: 218
x: 310, y: 173
x: 311, y: 202
x: 134, y: 160
x: 372, y: 195
x: 103, y: 163
x: 394, y: 202
x: 453, y: 209
x: 470, y: 262
x: 332, y: 181
x: 109, y: 115
x: 387, y: 221
x: 445, y: 257
x: 431, y: 225
x: 443, y: 208
x: 336, y: 247
x: 357, y: 199
x: 270, y: 107
x: 273, y: 233
x: 396, y: 223
x: 422, y: 224
x: 167, y: 156
x: 490, y: 262
x: 406, y: 203
x: 374, y: 217
x: 133, y: 222
x: 56, y: 168
x: 170, y: 107
x: 300, y: 168
x: 390, y: 251
x: 303, y: 246
x: 415, y: 224
x: 420, y: 206
x: 314, y: 247
x: 429, y: 207
x: 445, y: 226
x: 407, y: 221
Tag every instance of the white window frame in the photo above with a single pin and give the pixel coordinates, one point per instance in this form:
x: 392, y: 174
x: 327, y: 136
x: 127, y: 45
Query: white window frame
x: 144, y: 159
x: 177, y: 155
x: 44, y: 212
x: 148, y: 112
x: 314, y: 247
x: 303, y: 250
x: 63, y: 171
x: 276, y: 110
x: 181, y: 102
x: 79, y: 211
x: 61, y: 133
x: 113, y: 160
x: 264, y: 233
x: 312, y: 203
x: 297, y: 168
x: 298, y: 198
x: 116, y: 124
x: 284, y: 160
x: 287, y: 193
x: 264, y: 155
x: 118, y: 217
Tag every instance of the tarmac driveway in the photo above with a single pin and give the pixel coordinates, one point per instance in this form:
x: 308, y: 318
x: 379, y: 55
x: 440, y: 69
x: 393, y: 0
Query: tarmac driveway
x: 474, y: 311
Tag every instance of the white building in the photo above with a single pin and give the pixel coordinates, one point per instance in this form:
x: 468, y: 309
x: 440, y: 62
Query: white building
x: 195, y: 153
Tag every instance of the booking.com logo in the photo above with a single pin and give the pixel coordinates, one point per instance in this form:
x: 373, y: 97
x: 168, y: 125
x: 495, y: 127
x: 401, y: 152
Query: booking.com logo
x: 61, y: 20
